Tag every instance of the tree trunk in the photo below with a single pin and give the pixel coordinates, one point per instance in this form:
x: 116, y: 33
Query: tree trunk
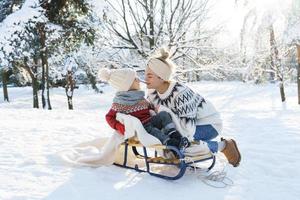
x: 275, y: 63
x: 298, y: 73
x: 282, y: 93
x: 4, y: 81
x: 35, y: 83
x: 42, y: 86
x: 151, y: 21
x: 92, y: 79
x: 47, y: 81
x: 69, y: 87
x: 93, y: 82
x: 45, y: 67
x: 35, y: 88
x: 70, y: 102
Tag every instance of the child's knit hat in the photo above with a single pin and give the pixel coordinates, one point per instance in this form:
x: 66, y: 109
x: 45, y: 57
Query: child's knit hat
x: 120, y: 79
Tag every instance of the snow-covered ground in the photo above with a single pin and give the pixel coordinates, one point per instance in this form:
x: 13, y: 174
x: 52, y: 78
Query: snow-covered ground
x: 268, y: 134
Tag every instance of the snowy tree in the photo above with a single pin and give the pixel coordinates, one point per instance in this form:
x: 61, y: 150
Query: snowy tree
x: 263, y: 53
x: 292, y: 36
x: 26, y: 54
x: 275, y: 62
x: 7, y: 7
x: 19, y: 41
x: 52, y: 32
x: 144, y: 26
x: 66, y: 14
x: 70, y: 83
x: 84, y: 46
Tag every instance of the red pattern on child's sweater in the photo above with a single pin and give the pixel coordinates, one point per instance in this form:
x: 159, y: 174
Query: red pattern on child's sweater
x: 139, y: 110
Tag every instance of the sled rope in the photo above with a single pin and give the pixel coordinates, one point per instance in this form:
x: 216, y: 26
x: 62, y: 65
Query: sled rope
x: 216, y: 179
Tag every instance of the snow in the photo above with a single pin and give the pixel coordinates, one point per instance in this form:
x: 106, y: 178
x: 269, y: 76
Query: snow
x: 267, y: 131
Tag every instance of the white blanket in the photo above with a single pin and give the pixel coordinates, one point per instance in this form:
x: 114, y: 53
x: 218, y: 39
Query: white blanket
x: 103, y: 151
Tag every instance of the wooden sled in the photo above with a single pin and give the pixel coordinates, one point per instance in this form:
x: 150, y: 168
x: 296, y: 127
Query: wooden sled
x: 148, y: 160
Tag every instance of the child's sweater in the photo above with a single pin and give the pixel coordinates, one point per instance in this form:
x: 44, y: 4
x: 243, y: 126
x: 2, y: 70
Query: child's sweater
x: 140, y: 110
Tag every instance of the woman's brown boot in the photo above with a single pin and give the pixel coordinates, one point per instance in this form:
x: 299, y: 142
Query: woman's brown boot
x: 231, y: 152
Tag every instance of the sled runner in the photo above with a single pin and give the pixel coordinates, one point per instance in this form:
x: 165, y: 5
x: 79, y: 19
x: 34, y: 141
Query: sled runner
x: 133, y: 155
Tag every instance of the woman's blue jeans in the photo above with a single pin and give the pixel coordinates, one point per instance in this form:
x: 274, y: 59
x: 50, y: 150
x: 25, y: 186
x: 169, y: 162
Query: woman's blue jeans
x: 206, y: 133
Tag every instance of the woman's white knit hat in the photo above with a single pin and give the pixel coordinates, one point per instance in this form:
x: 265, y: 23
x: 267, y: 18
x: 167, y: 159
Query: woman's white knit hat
x: 161, y: 65
x: 120, y: 79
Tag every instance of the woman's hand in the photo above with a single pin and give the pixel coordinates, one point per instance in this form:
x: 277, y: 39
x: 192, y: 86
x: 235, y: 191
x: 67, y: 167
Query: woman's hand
x: 156, y: 108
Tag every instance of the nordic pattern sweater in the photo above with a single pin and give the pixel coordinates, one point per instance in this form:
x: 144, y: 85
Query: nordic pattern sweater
x: 189, y: 107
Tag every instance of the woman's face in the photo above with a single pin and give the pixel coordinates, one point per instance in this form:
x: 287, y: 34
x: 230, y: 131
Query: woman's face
x: 152, y: 80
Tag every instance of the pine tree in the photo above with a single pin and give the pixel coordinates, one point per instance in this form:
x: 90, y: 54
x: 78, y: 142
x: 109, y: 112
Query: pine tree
x: 72, y: 16
x: 26, y: 54
x: 6, y: 8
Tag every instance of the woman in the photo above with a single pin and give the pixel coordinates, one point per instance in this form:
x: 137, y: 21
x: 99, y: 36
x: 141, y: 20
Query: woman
x: 197, y: 117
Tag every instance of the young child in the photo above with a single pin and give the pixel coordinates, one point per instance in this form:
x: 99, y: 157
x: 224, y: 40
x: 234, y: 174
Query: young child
x: 129, y: 99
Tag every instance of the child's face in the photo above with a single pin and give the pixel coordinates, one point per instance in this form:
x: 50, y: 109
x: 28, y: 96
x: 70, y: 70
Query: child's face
x: 136, y: 84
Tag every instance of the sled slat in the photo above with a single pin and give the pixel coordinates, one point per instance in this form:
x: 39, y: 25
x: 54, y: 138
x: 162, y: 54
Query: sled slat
x: 138, y: 144
x: 163, y: 160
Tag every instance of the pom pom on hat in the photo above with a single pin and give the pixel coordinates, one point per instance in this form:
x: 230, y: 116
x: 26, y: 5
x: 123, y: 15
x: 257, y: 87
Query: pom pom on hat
x: 164, y: 54
x: 104, y: 74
